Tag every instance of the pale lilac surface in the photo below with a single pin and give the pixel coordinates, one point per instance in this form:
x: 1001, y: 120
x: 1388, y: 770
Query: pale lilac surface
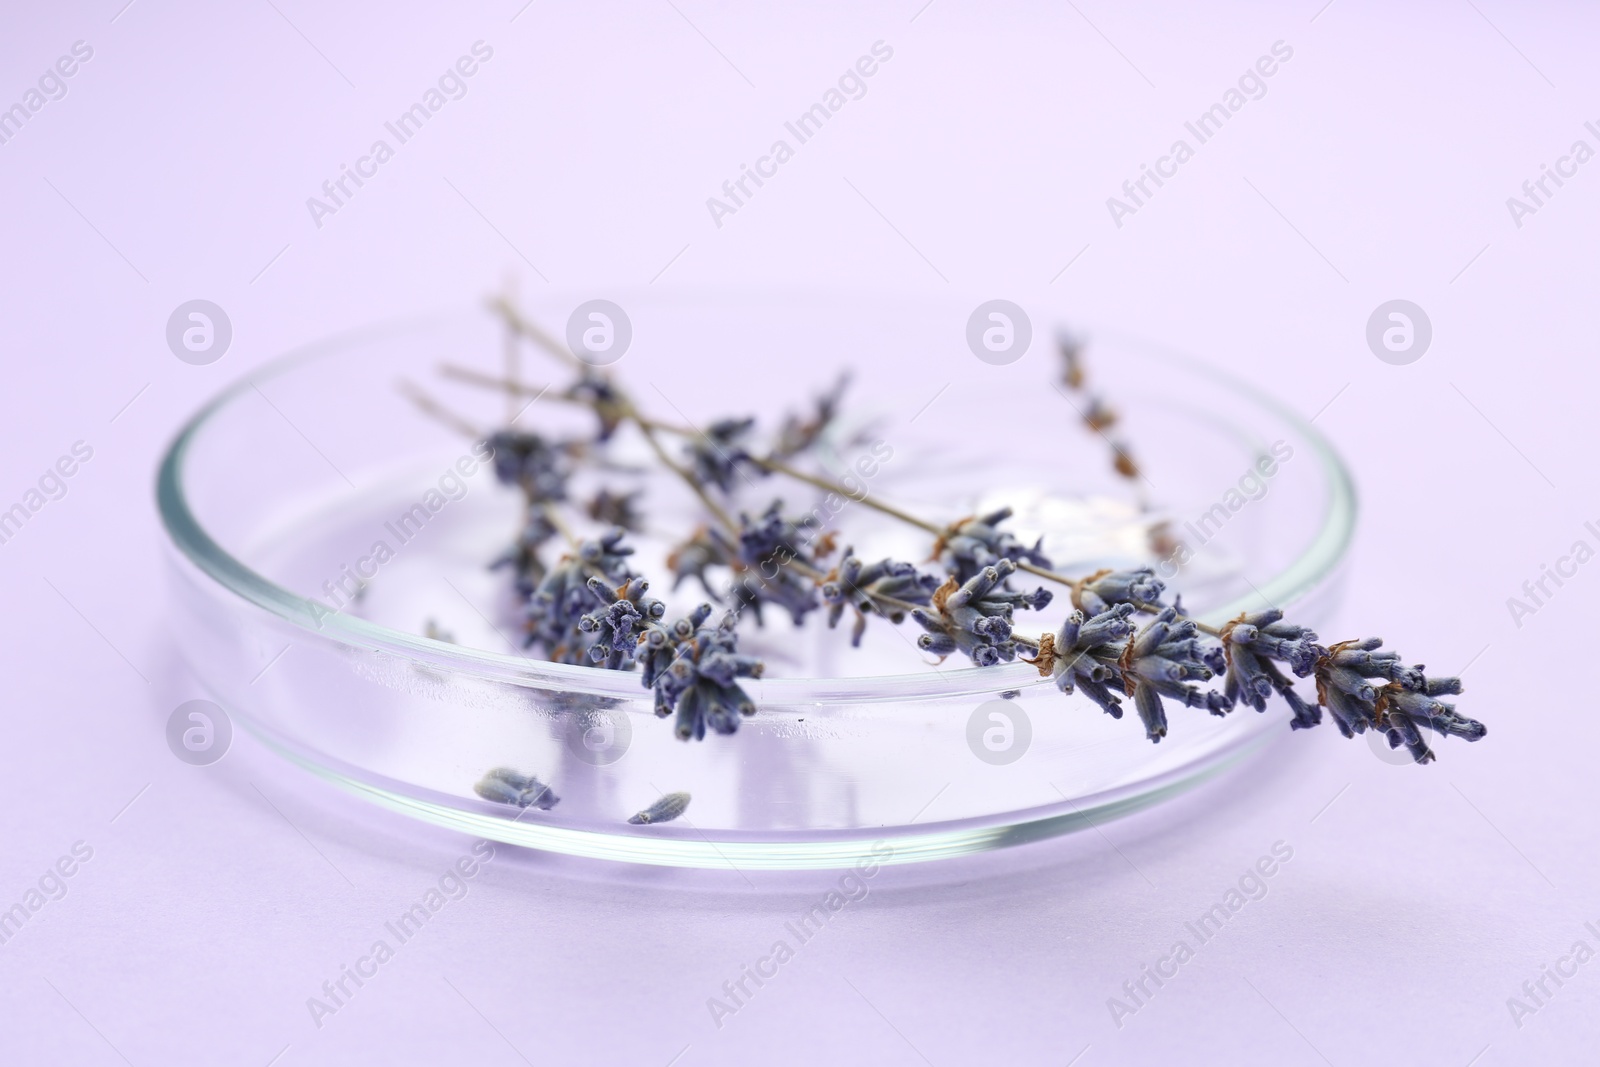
x: 1377, y: 166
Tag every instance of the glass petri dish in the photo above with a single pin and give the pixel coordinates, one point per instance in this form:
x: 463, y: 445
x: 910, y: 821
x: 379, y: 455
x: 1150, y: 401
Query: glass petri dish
x: 396, y: 674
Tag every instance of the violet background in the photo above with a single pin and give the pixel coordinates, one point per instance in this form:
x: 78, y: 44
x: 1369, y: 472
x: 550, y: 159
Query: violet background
x: 1377, y: 166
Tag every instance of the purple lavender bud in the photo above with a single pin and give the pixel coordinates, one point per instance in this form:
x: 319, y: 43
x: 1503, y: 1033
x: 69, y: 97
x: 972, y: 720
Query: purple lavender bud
x: 666, y: 809
x: 506, y: 786
x: 1442, y: 687
x: 1148, y: 703
x: 609, y: 405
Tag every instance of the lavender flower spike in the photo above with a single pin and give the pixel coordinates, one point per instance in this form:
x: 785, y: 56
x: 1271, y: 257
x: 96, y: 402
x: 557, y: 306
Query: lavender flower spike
x: 692, y: 558
x: 975, y: 617
x: 694, y: 669
x: 523, y: 556
x: 1165, y: 660
x: 1345, y: 677
x: 862, y: 585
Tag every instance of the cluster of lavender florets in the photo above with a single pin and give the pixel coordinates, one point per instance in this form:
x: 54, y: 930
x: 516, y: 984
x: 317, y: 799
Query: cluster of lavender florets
x: 694, y: 670
x: 975, y: 617
x: 763, y: 555
x: 977, y: 542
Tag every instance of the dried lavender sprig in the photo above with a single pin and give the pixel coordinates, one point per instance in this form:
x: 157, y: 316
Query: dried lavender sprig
x: 694, y: 557
x: 1251, y: 644
x: 1405, y: 684
x: 1099, y: 591
x: 530, y: 462
x: 523, y: 559
x: 1345, y: 677
x: 1103, y: 655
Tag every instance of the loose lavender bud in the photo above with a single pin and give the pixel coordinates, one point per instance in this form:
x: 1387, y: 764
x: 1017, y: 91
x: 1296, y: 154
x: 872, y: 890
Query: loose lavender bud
x: 694, y: 669
x: 1098, y: 416
x: 666, y: 809
x: 1099, y: 591
x: 975, y: 617
x: 714, y: 457
x: 972, y: 544
x: 505, y: 786
x: 863, y: 586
